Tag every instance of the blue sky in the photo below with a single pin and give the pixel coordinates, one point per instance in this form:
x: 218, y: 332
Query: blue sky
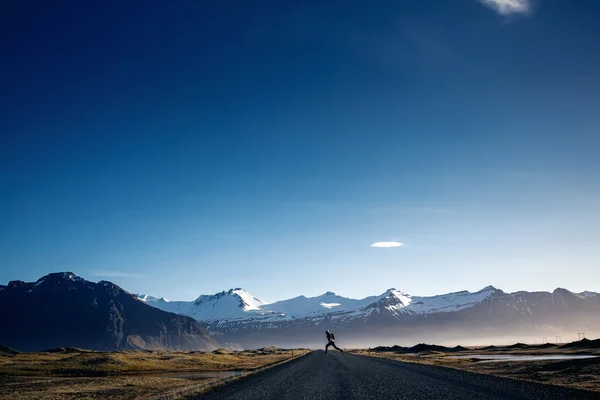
x: 183, y: 149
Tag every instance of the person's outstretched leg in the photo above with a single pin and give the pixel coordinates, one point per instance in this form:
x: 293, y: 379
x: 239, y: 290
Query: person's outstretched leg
x: 338, y: 348
x: 327, y: 346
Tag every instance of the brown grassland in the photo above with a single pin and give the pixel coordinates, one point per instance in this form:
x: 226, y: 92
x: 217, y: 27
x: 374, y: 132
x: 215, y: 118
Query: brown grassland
x: 68, y: 374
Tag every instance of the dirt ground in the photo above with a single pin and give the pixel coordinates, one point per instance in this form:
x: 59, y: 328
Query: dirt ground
x: 69, y: 374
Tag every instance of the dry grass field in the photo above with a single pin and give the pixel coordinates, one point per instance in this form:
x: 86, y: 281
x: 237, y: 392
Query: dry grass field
x: 65, y: 374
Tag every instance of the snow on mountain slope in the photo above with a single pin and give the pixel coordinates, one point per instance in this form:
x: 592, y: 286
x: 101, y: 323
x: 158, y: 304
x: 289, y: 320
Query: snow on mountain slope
x: 449, y: 302
x: 149, y: 299
x: 233, y: 304
x: 239, y: 305
x: 401, y: 305
x: 306, y: 306
x: 586, y: 294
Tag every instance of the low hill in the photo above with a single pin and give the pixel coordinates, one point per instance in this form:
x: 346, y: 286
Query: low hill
x: 421, y: 347
x: 7, y: 351
x: 582, y: 344
x: 396, y: 348
x: 518, y: 346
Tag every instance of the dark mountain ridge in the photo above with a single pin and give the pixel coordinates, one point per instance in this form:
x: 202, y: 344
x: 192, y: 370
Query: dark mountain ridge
x: 64, y: 310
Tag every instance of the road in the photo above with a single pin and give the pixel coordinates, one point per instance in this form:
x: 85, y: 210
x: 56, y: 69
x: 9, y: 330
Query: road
x: 336, y: 376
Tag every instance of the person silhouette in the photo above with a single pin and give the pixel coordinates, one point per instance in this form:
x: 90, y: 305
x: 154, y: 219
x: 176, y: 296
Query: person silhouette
x: 331, y: 341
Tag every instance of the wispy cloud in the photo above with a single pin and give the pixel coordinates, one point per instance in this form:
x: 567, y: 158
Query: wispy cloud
x: 508, y: 7
x: 115, y: 274
x: 387, y: 244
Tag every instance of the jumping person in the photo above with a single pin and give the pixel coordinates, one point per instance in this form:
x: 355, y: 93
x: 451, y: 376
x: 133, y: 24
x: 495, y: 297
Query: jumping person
x: 331, y: 341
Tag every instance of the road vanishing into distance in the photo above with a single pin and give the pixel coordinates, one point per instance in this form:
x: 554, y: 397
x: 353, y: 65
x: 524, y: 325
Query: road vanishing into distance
x: 336, y: 376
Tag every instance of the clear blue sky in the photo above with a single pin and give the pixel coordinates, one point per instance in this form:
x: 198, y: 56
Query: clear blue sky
x: 182, y: 148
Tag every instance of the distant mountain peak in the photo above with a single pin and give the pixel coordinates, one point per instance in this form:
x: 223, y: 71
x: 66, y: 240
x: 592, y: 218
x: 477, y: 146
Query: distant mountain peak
x: 328, y: 293
x: 487, y: 288
x: 238, y: 296
x: 149, y: 299
x: 56, y: 280
x: 397, y: 294
x: 59, y: 276
x: 395, y: 297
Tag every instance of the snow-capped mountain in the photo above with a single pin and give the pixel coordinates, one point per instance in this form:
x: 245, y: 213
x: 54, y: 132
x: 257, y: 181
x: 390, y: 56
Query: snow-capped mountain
x: 242, y: 318
x: 239, y: 304
x: 400, y: 303
x: 328, y: 302
x: 231, y: 304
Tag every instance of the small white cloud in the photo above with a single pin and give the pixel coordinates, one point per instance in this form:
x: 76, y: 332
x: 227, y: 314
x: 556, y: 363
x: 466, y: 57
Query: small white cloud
x: 387, y: 244
x: 115, y: 274
x: 508, y: 7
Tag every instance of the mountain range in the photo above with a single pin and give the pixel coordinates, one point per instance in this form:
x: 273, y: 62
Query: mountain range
x: 64, y: 310
x: 393, y: 317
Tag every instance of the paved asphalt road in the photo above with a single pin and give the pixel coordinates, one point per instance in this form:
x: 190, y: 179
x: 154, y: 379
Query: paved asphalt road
x: 336, y: 376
